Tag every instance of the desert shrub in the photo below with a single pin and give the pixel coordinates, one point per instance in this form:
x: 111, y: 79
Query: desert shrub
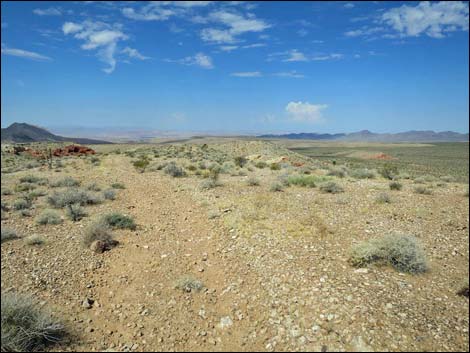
x: 448, y: 178
x: 25, y: 213
x: 463, y: 290
x: 174, y: 170
x: 73, y: 196
x: 75, y: 212
x: 24, y: 187
x: 34, y: 240
x: 331, y: 187
x: 209, y: 184
x: 49, y: 217
x: 191, y: 167
x: 422, y: 190
x: 189, y: 284
x: 419, y: 180
x: 8, y: 234
x: 274, y: 166
x: 260, y: 164
x: 37, y: 193
x: 302, y: 180
x: 141, y: 164
x: 5, y: 206
x: 98, y: 231
x: 118, y: 220
x: 395, y: 185
x: 25, y: 326
x: 240, y: 161
x: 93, y: 187
x: 252, y: 181
x: 109, y: 194
x: 337, y: 172
x: 118, y: 186
x: 33, y: 180
x: 389, y: 171
x: 404, y: 175
x: 275, y: 187
x: 65, y: 182
x: 363, y: 173
x: 7, y: 192
x: 403, y: 252
x: 22, y: 204
x: 214, y: 171
x: 383, y: 198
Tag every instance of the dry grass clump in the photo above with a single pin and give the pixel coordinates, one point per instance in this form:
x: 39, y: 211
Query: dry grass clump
x: 22, y: 204
x: 75, y: 212
x: 8, y: 234
x: 389, y: 171
x: 276, y: 187
x: 189, y: 284
x: 99, y: 231
x: 93, y: 187
x: 403, y: 252
x: 363, y: 173
x: 448, y: 178
x: 252, y: 181
x: 422, y: 190
x: 339, y: 172
x: 26, y: 327
x: 65, y: 182
x: 120, y: 221
x: 303, y: 180
x: 25, y: 187
x: 49, y: 217
x: 33, y: 180
x: 383, y: 198
x: 73, y: 196
x: 35, y: 240
x: 6, y: 192
x: 174, y: 170
x: 118, y: 186
x: 331, y: 187
x: 395, y: 185
x: 209, y: 184
x: 109, y: 194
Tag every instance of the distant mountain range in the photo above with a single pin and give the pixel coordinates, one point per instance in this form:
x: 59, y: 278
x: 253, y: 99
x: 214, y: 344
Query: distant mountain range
x: 22, y: 132
x: 367, y: 136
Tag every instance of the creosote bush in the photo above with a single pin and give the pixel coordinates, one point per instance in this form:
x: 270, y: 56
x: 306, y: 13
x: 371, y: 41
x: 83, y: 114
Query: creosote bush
x: 331, y: 187
x: 75, y: 212
x: 403, y: 252
x: 34, y: 240
x: 8, y: 234
x: 174, y: 170
x: 395, y: 185
x: 25, y: 326
x: 73, y: 196
x: 49, y: 217
x: 240, y: 161
x: 118, y: 220
x: 65, y: 182
x: 422, y: 190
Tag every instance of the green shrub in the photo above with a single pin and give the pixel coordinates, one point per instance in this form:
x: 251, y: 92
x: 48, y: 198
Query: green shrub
x: 75, y: 212
x: 33, y: 180
x: 389, y: 171
x: 34, y: 240
x: 209, y: 184
x: 141, y: 164
x: 22, y: 204
x: 302, y: 180
x: 260, y: 164
x: 65, y: 182
x: 331, y: 187
x: 49, y: 217
x: 403, y: 252
x: 275, y: 187
x: 118, y: 220
x: 109, y: 194
x: 118, y: 186
x: 422, y: 190
x: 448, y: 178
x: 7, y: 192
x: 37, y: 193
x: 240, y: 161
x: 8, y: 234
x: 25, y: 326
x: 383, y: 198
x: 73, y: 196
x: 93, y: 187
x: 337, y: 172
x: 24, y: 187
x: 174, y: 170
x: 395, y: 185
x: 274, y: 166
x: 252, y: 181
x: 189, y: 284
x: 362, y: 174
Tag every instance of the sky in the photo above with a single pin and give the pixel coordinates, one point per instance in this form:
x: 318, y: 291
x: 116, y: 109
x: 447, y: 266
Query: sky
x: 239, y: 67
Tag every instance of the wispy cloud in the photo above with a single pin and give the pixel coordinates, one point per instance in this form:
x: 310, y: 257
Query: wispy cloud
x: 200, y: 59
x: 134, y: 53
x: 296, y: 56
x: 51, y: 11
x: 247, y: 74
x: 24, y: 54
x: 305, y: 112
x: 349, y: 5
x: 290, y: 74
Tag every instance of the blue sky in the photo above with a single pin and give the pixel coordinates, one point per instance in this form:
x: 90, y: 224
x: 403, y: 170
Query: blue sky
x: 236, y: 66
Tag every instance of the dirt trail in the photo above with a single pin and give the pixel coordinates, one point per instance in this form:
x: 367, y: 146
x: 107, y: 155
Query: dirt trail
x: 138, y: 304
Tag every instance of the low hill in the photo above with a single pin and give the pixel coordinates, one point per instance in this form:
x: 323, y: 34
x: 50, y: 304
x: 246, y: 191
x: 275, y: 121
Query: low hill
x: 24, y: 133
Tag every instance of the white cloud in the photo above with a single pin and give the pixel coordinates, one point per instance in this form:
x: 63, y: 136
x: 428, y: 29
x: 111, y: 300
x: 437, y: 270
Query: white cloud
x: 200, y: 59
x: 103, y: 38
x: 432, y: 19
x: 247, y: 74
x: 305, y: 112
x: 24, y: 54
x: 333, y: 56
x: 254, y: 45
x: 151, y: 12
x: 349, y: 5
x: 302, y: 32
x: 134, y: 53
x: 291, y: 74
x: 295, y: 55
x: 217, y: 35
x: 51, y: 11
x: 228, y: 47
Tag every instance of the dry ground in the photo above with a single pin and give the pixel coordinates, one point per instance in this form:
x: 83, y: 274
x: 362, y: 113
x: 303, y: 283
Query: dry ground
x: 274, y: 264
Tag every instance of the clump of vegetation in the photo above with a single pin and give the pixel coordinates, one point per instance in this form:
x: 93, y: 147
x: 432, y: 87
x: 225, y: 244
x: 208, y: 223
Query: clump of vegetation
x: 275, y: 166
x: 8, y: 234
x: 403, y: 252
x: 252, y: 181
x: 422, y: 190
x: 448, y: 178
x: 337, y: 172
x: 118, y: 186
x: 93, y: 187
x: 331, y: 187
x: 174, y: 170
x: 395, y: 185
x: 26, y: 327
x: 463, y: 291
x: 7, y: 192
x: 33, y: 180
x: 65, y: 182
x: 189, y: 284
x: 49, y: 217
x: 302, y: 180
x: 109, y: 194
x: 276, y: 187
x: 209, y: 184
x: 99, y: 231
x: 35, y: 240
x: 118, y: 220
x: 73, y: 196
x: 75, y: 212
x: 141, y: 164
x: 24, y: 187
x: 363, y: 173
x: 419, y: 180
x: 37, y: 193
x: 260, y: 164
x: 383, y: 198
x: 389, y: 171
x: 22, y: 204
x: 240, y: 161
